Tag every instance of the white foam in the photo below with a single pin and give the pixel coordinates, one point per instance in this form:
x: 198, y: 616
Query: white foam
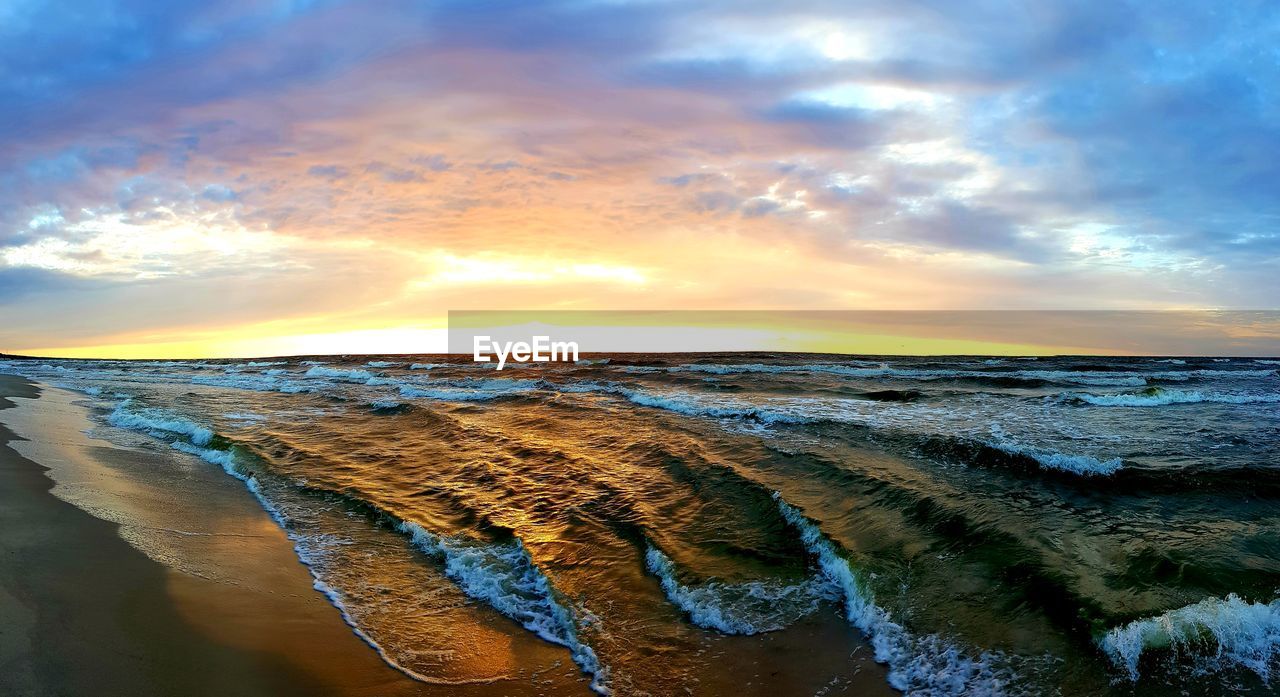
x: 928, y: 665
x: 154, y: 421
x: 350, y: 375
x: 1130, y: 379
x: 1075, y: 377
x: 1160, y: 398
x: 468, y: 390
x: 380, y: 364
x: 222, y: 458
x: 1048, y: 459
x: 302, y: 544
x: 1221, y: 633
x: 740, y: 608
x: 781, y: 410
x: 450, y: 394
x: 504, y: 576
x: 253, y: 383
x: 693, y: 405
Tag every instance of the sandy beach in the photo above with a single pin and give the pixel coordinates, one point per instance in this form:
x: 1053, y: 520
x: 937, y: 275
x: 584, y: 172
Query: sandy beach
x: 84, y: 612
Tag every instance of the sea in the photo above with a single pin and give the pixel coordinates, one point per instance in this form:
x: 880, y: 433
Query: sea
x: 1072, y: 525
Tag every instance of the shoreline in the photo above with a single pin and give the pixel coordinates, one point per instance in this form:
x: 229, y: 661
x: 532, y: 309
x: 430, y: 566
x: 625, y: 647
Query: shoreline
x: 115, y: 581
x: 83, y: 611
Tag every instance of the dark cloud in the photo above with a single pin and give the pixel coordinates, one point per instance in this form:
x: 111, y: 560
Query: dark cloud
x: 22, y: 284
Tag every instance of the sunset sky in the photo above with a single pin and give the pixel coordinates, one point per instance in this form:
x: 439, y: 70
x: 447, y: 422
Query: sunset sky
x: 254, y: 178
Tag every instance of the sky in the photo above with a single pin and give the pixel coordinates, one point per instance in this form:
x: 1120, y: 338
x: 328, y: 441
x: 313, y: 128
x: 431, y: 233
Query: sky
x: 257, y: 178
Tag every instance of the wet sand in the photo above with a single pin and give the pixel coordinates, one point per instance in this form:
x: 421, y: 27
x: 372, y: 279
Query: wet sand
x: 113, y: 582
x: 84, y: 612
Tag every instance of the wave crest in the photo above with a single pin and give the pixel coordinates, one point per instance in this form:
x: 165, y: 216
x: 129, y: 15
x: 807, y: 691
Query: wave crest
x: 1220, y: 632
x: 927, y: 665
x: 505, y: 576
x: 752, y: 607
x: 1158, y: 397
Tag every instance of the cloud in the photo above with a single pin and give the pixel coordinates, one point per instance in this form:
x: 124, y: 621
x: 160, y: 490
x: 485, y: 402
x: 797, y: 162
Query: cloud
x: 1054, y: 152
x: 21, y: 284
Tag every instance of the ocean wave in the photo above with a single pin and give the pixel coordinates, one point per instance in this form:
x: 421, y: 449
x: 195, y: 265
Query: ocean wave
x: 156, y: 422
x: 1092, y: 378
x: 306, y: 547
x: 747, y: 608
x: 504, y: 576
x: 1085, y: 465
x: 253, y: 383
x: 460, y: 390
x: 522, y: 592
x: 1158, y: 397
x: 1015, y: 377
x: 222, y: 458
x: 460, y: 394
x: 928, y: 666
x: 1217, y: 633
x: 381, y: 364
x: 245, y: 416
x: 692, y: 405
x: 348, y: 375
x: 892, y: 395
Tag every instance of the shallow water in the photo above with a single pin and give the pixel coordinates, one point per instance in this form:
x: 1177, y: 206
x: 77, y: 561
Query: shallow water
x: 1073, y: 525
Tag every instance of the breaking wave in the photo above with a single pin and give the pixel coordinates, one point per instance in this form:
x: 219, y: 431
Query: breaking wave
x: 746, y: 608
x: 156, y: 422
x: 349, y: 375
x: 504, y: 576
x: 1158, y: 397
x: 1216, y: 633
x: 930, y: 665
x: 1086, y: 465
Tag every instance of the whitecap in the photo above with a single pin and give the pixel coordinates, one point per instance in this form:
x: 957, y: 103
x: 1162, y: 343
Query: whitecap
x: 1220, y: 632
x: 155, y: 421
x: 751, y: 607
x: 1160, y: 398
x: 504, y: 576
x: 927, y: 665
x: 350, y: 375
